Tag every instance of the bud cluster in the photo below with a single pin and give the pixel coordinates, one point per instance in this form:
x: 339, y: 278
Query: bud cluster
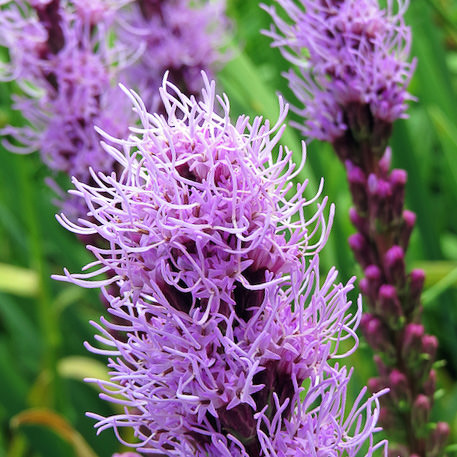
x: 392, y: 324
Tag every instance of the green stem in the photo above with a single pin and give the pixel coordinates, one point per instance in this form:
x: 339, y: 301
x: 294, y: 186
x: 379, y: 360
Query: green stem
x: 47, y: 316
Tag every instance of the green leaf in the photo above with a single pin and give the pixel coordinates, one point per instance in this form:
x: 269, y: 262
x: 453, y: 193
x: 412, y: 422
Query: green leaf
x: 18, y: 281
x: 80, y: 367
x: 442, y: 276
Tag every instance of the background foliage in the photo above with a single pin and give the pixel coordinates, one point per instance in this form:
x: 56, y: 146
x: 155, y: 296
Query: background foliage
x: 44, y: 323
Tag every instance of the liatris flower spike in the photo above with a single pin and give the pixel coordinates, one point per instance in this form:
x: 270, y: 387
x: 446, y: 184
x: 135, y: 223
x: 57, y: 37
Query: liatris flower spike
x: 353, y: 76
x: 65, y: 68
x: 230, y: 335
x: 352, y: 79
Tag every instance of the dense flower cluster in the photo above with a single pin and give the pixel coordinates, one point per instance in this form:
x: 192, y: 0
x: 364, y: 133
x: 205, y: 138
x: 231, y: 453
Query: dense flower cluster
x: 349, y: 53
x: 229, y: 335
x: 66, y: 70
x: 179, y: 36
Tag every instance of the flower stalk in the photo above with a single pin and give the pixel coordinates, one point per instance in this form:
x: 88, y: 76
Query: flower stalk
x: 353, y: 87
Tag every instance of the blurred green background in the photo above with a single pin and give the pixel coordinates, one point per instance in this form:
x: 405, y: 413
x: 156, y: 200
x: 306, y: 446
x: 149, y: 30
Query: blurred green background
x: 43, y: 323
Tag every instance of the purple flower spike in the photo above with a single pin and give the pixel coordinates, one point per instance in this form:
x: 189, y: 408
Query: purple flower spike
x: 352, y: 69
x: 66, y: 70
x: 229, y: 335
x: 350, y: 55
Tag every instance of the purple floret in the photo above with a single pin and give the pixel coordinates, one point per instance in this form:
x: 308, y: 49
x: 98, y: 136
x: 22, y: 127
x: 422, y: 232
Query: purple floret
x: 225, y: 318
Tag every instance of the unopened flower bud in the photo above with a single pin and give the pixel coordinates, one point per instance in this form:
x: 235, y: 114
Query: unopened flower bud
x: 375, y: 385
x: 420, y: 411
x: 429, y: 349
x: 406, y: 228
x: 430, y: 384
x: 416, y: 281
x: 398, y: 181
x: 412, y: 341
x: 379, y: 195
x: 394, y: 265
x: 389, y: 305
x: 357, y: 180
x: 430, y: 345
x: 370, y: 284
x: 375, y: 333
x: 438, y: 439
x: 384, y: 163
x: 359, y: 222
x: 398, y: 384
x: 359, y: 245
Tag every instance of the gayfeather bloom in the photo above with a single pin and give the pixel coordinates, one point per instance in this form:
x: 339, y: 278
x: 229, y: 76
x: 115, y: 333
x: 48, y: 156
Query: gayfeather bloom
x: 229, y: 335
x: 62, y: 62
x: 349, y: 53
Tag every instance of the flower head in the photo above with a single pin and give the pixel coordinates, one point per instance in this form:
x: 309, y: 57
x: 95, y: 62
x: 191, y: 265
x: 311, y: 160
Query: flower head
x: 199, y: 208
x: 348, y: 53
x: 224, y: 314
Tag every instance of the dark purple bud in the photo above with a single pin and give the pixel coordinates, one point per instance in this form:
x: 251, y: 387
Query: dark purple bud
x: 412, y: 341
x: 359, y: 222
x: 394, y: 265
x: 389, y: 306
x: 357, y: 186
x: 416, y: 281
x: 359, y: 245
x: 398, y: 384
x: 421, y: 411
x: 384, y: 189
x: 385, y: 162
x: 375, y: 385
x: 429, y: 349
x: 438, y: 439
x: 375, y: 333
x: 430, y: 346
x: 372, y: 184
x: 406, y: 228
x: 430, y: 384
x: 373, y: 273
x: 398, y: 181
x: 379, y: 199
x: 382, y: 368
x: 370, y: 284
